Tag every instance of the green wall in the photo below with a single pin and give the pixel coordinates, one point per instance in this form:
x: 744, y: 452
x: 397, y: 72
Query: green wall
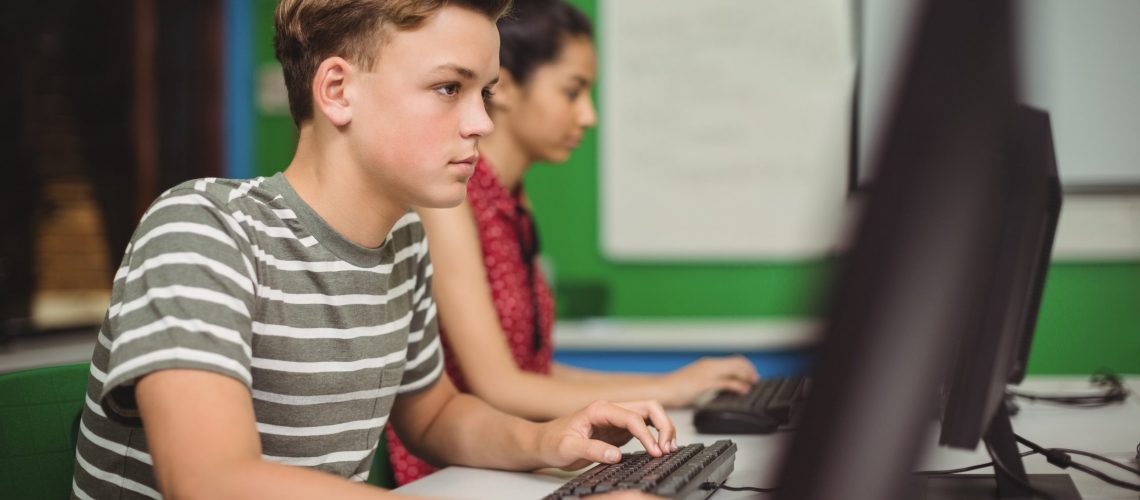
x: 1090, y: 314
x: 1090, y: 317
x: 275, y: 135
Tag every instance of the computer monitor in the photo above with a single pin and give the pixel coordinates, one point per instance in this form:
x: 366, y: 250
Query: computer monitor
x: 997, y: 352
x: 1035, y: 150
x: 939, y: 291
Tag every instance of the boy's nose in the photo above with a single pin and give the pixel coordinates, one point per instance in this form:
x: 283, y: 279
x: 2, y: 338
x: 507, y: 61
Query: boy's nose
x: 476, y: 122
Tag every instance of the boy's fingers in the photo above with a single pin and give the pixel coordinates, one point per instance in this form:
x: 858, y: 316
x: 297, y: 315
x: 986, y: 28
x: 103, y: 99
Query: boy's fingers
x: 665, y: 430
x: 616, y: 416
x: 593, y: 450
x: 655, y: 414
x: 635, y: 424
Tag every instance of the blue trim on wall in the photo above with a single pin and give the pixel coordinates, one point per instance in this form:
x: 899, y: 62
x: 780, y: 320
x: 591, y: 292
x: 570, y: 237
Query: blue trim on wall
x: 769, y: 364
x: 238, y: 54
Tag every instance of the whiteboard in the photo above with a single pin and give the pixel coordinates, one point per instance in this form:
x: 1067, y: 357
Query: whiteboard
x: 1077, y: 61
x: 725, y: 127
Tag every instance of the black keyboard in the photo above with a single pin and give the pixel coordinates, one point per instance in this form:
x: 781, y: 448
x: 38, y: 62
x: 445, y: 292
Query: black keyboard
x: 690, y: 473
x: 770, y: 404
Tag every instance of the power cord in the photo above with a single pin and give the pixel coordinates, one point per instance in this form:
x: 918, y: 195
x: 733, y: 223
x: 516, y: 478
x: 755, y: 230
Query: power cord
x: 1056, y: 456
x: 711, y: 486
x: 998, y: 464
x: 1114, y: 392
x: 1098, y: 457
x: 1060, y: 457
x: 1105, y: 477
x: 963, y: 469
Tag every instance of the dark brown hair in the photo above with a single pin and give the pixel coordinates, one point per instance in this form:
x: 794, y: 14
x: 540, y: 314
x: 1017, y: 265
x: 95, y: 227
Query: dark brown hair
x: 533, y: 34
x: 310, y: 31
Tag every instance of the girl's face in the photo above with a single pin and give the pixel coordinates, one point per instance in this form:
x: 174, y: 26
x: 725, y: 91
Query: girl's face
x: 548, y: 115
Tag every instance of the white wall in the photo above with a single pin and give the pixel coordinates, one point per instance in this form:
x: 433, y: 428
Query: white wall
x: 1079, y: 61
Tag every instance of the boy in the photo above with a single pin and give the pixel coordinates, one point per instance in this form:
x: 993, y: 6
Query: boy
x: 261, y: 324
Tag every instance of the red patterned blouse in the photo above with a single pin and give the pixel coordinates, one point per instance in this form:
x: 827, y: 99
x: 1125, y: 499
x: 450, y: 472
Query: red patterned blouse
x: 509, y: 243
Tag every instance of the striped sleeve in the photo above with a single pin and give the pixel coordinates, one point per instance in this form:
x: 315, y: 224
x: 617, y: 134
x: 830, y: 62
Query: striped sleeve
x: 183, y: 299
x: 425, y: 355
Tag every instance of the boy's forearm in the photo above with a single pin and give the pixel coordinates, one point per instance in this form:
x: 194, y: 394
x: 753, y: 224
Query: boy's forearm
x: 470, y: 432
x: 260, y: 479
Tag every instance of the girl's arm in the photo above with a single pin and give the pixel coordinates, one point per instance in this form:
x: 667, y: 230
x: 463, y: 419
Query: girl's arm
x: 467, y: 313
x: 573, y: 374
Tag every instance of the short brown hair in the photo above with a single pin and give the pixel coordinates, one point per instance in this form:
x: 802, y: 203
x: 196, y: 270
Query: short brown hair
x: 310, y: 31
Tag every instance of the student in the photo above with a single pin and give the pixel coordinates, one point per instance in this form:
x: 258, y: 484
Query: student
x: 495, y: 306
x: 262, y: 332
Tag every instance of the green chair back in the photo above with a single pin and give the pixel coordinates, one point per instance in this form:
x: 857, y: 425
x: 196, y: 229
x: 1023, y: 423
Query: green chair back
x: 381, y: 474
x: 39, y: 426
x: 39, y: 412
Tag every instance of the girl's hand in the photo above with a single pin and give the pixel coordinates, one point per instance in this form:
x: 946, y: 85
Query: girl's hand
x: 684, y: 386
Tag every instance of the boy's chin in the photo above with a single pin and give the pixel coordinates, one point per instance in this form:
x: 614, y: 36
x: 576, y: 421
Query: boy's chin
x: 442, y: 200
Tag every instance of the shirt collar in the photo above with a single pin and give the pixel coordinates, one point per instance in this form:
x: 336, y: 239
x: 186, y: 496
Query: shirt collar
x: 488, y: 182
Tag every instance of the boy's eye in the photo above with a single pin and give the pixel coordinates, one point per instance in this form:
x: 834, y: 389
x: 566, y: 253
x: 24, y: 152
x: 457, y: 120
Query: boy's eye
x: 573, y: 94
x: 488, y: 94
x: 448, y: 90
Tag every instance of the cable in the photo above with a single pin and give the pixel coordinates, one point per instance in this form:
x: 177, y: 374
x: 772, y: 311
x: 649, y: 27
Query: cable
x: 1080, y: 400
x: 1026, y: 454
x: 1011, y: 476
x: 1105, y: 477
x: 1098, y: 457
x: 1115, y: 392
x: 747, y: 488
x: 962, y: 469
x: 1060, y: 457
x: 714, y: 486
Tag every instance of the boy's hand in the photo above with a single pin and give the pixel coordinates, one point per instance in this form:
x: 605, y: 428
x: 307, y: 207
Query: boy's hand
x: 684, y: 386
x: 594, y: 434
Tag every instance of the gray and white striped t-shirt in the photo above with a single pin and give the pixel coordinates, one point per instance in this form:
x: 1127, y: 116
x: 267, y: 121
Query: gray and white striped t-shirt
x: 244, y: 279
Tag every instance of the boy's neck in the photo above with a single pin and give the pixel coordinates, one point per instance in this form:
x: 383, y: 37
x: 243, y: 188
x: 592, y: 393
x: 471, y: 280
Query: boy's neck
x: 509, y: 161
x: 325, y: 177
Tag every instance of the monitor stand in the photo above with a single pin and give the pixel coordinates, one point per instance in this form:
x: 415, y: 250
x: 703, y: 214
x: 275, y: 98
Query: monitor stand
x: 990, y: 486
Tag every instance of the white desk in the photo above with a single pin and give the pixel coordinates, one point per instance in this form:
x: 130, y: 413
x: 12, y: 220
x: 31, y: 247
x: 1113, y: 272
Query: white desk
x: 1112, y: 431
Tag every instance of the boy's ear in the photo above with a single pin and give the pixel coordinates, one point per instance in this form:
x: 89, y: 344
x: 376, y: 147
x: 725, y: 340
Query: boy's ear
x: 507, y: 91
x: 330, y: 90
